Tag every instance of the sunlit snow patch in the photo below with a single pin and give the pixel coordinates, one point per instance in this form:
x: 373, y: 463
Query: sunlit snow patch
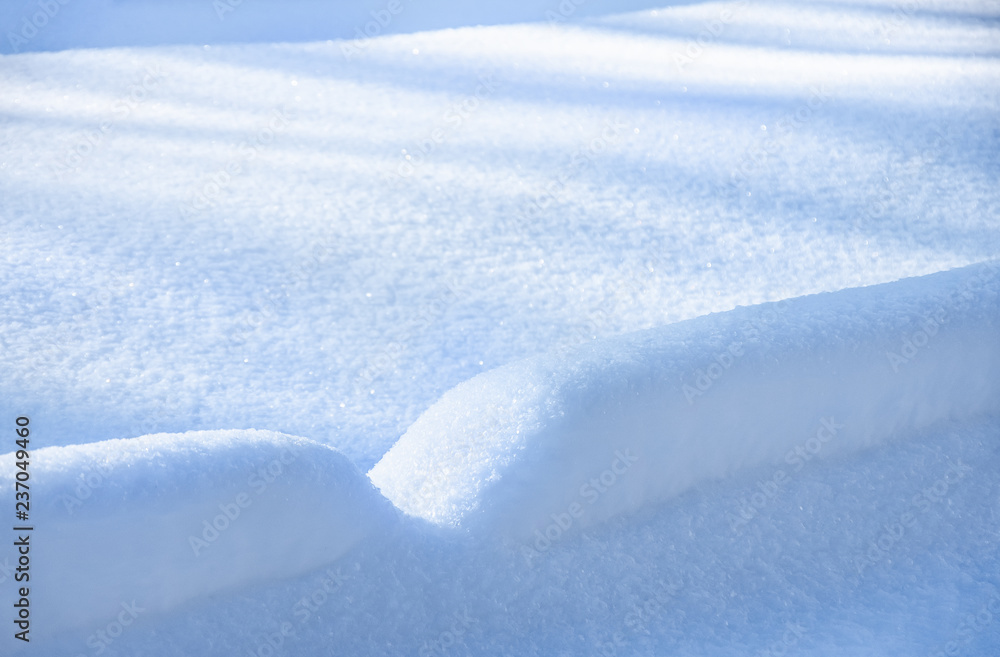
x: 561, y: 441
x: 151, y: 522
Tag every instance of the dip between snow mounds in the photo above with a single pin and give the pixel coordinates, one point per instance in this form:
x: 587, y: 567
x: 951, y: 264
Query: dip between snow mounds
x: 550, y: 444
x: 155, y: 521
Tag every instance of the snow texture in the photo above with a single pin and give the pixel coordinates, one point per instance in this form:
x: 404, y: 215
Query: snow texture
x: 672, y: 331
x: 523, y: 456
x: 167, y: 518
x: 619, y: 424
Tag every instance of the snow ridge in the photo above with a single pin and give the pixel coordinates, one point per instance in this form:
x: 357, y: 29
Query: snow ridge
x: 577, y: 437
x: 156, y: 521
x: 525, y: 452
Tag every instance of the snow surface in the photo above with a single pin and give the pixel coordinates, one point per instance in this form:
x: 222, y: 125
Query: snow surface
x: 624, y: 423
x: 111, y: 513
x: 103, y: 23
x: 369, y: 243
x: 520, y: 459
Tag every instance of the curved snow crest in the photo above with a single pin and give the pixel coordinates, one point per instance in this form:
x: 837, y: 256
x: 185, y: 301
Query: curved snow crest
x: 537, y: 447
x: 151, y: 522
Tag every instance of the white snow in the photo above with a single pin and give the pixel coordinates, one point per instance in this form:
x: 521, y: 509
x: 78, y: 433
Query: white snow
x: 167, y: 518
x: 738, y: 259
x: 626, y: 423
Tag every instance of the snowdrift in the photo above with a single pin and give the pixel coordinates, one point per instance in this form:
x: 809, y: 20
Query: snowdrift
x: 526, y: 452
x: 557, y: 442
x: 140, y: 526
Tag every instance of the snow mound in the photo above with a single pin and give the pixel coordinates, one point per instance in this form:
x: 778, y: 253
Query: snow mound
x: 151, y: 522
x: 561, y: 441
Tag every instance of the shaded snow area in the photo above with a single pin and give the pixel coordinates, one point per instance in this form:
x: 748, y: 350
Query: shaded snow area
x: 556, y: 329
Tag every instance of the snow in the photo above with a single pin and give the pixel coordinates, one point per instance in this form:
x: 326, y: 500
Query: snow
x: 104, y: 23
x: 111, y: 513
x: 232, y: 238
x: 579, y: 436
